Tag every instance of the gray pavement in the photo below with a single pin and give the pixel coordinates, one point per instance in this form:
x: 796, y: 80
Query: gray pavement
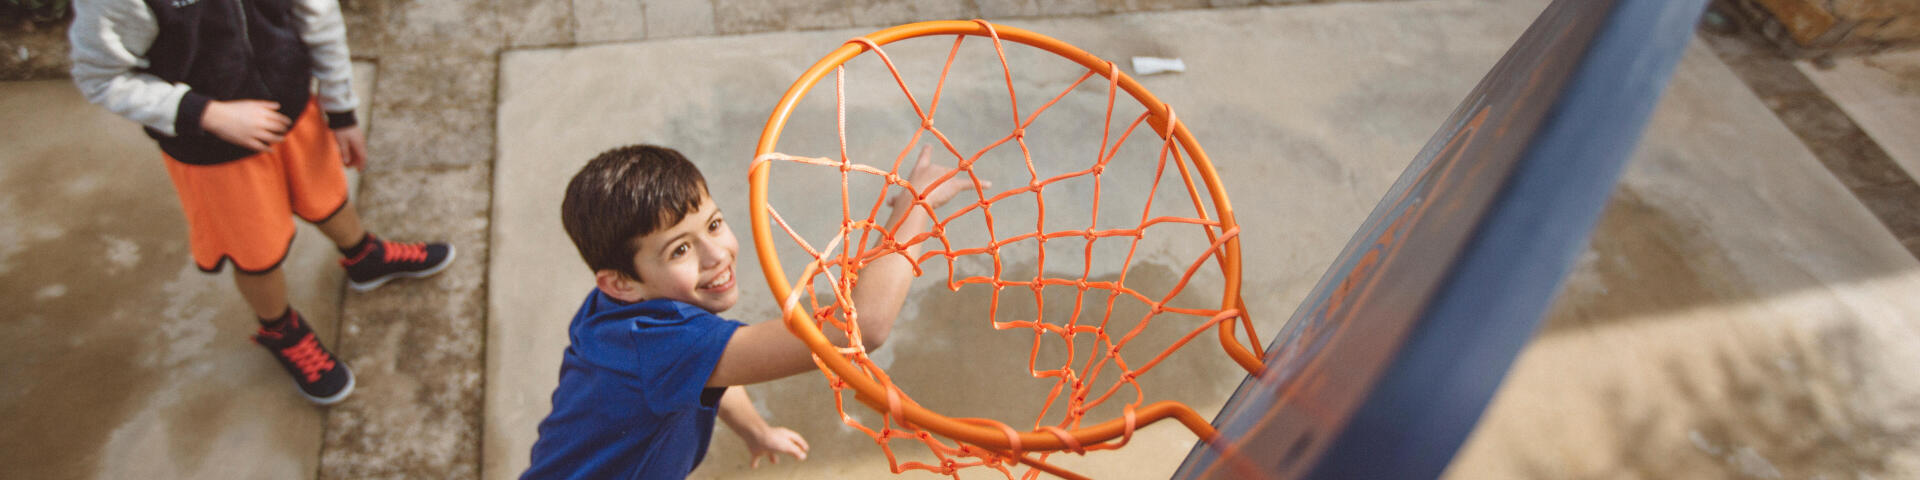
x: 1739, y: 313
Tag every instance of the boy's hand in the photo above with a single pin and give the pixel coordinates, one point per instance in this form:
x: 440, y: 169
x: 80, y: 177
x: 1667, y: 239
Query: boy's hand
x: 353, y: 147
x: 925, y: 172
x: 775, y: 441
x: 254, y: 124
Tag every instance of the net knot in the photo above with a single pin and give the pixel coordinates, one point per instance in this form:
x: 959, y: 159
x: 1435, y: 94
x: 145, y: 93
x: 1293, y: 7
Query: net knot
x: 926, y: 123
x: 1020, y: 132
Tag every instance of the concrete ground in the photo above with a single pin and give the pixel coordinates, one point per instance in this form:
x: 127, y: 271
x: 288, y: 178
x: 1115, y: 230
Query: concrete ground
x: 1741, y: 312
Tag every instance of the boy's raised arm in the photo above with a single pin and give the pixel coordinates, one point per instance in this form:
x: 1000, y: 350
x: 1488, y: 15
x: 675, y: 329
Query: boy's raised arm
x: 766, y: 351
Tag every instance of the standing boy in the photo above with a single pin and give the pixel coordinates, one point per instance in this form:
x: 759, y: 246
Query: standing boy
x: 649, y: 363
x: 226, y: 89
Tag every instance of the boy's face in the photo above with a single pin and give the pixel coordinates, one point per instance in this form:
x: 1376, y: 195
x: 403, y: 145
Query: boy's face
x: 691, y: 261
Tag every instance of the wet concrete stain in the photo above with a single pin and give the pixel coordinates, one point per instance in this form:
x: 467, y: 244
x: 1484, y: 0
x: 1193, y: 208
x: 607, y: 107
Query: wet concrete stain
x: 78, y: 365
x: 1642, y: 252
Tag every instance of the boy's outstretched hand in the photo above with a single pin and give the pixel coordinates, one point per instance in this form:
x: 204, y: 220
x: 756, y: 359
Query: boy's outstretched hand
x: 776, y: 441
x: 925, y: 172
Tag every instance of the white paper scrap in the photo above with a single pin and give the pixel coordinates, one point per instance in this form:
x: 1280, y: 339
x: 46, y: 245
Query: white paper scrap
x: 1153, y: 65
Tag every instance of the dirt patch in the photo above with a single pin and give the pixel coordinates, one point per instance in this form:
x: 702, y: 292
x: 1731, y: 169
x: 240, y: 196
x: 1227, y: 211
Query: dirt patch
x: 1643, y: 252
x: 33, y: 51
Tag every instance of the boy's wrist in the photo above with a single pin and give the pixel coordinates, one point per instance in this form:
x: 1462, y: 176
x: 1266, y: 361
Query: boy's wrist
x: 339, y: 120
x: 188, y: 118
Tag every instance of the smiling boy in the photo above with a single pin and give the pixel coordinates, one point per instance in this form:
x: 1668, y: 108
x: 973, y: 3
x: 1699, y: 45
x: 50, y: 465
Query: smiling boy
x: 649, y: 364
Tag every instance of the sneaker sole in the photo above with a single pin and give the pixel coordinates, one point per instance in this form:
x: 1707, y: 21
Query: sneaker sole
x: 335, y: 398
x: 383, y: 279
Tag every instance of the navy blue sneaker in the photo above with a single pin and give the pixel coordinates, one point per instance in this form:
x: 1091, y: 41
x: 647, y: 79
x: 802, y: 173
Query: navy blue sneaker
x: 323, y: 379
x: 383, y: 260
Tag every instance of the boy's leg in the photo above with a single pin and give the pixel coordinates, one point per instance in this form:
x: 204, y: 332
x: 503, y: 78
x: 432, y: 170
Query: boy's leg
x: 322, y: 378
x: 344, y: 228
x: 266, y: 293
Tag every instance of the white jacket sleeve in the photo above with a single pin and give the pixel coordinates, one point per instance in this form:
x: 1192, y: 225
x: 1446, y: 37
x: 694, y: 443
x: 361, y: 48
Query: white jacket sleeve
x: 110, y: 40
x: 325, y: 33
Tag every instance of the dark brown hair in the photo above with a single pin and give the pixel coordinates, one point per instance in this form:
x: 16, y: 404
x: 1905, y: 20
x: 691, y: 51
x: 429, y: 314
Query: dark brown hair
x: 624, y: 194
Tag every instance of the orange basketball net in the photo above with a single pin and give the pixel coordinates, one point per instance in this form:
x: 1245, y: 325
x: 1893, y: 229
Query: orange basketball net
x: 862, y: 239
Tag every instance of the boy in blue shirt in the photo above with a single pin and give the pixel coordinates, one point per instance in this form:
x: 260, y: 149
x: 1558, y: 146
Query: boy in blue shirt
x: 649, y: 363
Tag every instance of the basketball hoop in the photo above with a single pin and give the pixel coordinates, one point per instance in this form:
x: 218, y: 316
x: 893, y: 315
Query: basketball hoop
x: 983, y: 442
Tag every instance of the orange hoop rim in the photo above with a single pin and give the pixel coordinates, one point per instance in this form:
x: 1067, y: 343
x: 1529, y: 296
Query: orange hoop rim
x: 880, y: 397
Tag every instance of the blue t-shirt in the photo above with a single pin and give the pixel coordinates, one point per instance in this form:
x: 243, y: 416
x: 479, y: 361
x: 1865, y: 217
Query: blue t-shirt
x: 632, y: 400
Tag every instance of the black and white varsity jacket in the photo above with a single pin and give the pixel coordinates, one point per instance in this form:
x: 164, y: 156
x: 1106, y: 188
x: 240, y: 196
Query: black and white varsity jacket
x: 158, y: 62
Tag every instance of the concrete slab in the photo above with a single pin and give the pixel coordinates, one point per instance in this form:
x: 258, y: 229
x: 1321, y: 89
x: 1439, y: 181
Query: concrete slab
x: 1728, y: 252
x: 603, y: 21
x: 1882, y: 94
x: 418, y: 344
x: 749, y: 16
x: 122, y: 359
x: 678, y: 18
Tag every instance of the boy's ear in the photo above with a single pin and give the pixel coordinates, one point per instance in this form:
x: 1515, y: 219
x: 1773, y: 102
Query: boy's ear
x: 618, y: 285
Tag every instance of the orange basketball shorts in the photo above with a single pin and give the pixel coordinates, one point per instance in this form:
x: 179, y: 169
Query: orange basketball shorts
x: 241, y: 211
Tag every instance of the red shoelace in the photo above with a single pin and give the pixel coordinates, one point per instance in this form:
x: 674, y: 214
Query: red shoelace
x: 309, y: 358
x: 404, y: 252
